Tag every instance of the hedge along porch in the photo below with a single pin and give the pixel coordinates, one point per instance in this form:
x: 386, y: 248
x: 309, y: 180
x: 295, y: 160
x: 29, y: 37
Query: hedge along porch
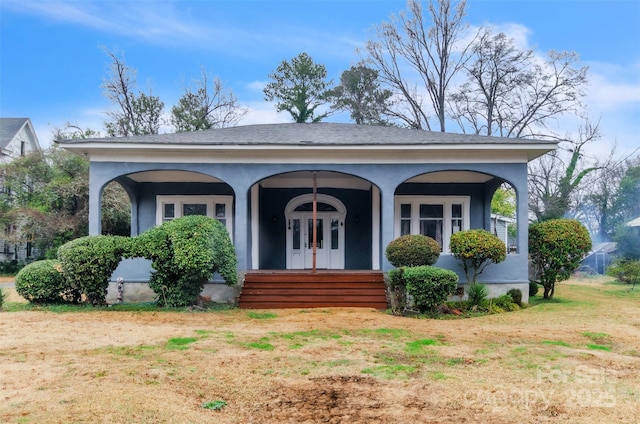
x: 373, y: 185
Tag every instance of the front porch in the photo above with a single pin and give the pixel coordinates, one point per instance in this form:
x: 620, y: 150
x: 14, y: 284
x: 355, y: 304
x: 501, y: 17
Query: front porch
x: 276, y: 289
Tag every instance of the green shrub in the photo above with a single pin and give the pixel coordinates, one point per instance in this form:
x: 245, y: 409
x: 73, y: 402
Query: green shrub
x: 556, y: 248
x: 2, y: 299
x: 429, y: 286
x: 41, y: 282
x: 185, y: 253
x: 625, y: 271
x: 478, y: 293
x: 10, y: 267
x: 502, y: 304
x: 413, y: 250
x: 476, y: 249
x: 533, y: 288
x: 88, y: 262
x: 516, y: 296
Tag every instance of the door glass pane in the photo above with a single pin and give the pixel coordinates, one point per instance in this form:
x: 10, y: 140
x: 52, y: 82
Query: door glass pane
x: 194, y: 209
x: 334, y: 234
x: 319, y: 235
x: 296, y: 234
x: 320, y: 207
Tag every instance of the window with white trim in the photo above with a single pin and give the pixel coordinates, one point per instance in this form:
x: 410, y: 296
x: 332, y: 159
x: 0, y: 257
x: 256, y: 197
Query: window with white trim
x: 172, y: 207
x: 434, y: 216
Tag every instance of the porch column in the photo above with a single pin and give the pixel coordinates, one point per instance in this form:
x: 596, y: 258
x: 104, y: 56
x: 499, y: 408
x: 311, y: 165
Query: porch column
x: 387, y: 189
x: 240, y: 225
x: 95, y: 202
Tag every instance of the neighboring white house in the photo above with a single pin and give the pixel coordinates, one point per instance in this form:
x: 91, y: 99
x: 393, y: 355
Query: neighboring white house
x: 500, y: 228
x: 17, y: 139
x: 634, y: 222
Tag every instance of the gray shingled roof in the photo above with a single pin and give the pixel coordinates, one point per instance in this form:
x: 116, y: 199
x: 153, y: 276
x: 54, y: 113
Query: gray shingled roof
x: 308, y: 134
x: 9, y: 127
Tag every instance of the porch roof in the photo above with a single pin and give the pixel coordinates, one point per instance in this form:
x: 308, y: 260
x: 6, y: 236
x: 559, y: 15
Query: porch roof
x: 312, y: 136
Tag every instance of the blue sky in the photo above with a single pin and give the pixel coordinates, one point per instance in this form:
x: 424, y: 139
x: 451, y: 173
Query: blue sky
x: 52, y: 66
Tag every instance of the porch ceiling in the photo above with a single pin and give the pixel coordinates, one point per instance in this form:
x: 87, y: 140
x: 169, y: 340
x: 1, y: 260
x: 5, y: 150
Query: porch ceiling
x: 451, y: 177
x: 323, y: 178
x: 164, y: 176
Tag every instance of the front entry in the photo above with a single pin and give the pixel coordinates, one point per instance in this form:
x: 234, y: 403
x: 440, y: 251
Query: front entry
x: 330, y: 220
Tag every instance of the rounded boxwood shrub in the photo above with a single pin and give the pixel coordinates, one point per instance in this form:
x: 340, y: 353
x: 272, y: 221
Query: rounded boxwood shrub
x: 429, y: 286
x: 41, y: 282
x: 88, y: 263
x: 476, y: 249
x: 516, y: 295
x: 413, y: 250
x: 533, y: 288
x: 185, y: 253
x: 556, y: 249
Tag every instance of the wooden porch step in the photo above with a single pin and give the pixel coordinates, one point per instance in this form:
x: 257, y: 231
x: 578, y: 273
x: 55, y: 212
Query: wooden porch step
x: 301, y: 289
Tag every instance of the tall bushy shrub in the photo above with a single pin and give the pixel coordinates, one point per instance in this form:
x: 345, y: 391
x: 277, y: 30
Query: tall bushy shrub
x: 42, y: 282
x: 413, y: 250
x: 185, y: 252
x: 625, y: 271
x: 429, y: 286
x: 88, y: 262
x: 556, y: 248
x: 407, y: 251
x: 477, y: 249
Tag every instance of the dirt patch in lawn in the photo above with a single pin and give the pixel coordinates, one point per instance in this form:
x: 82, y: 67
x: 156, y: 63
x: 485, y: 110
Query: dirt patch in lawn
x: 572, y: 360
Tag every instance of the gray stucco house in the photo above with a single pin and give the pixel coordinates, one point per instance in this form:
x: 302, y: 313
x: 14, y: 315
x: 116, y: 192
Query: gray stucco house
x: 373, y: 185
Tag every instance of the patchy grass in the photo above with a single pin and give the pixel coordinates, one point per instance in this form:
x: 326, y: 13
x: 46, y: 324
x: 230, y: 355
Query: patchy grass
x: 214, y: 405
x: 545, y: 362
x: 180, y: 343
x: 261, y: 315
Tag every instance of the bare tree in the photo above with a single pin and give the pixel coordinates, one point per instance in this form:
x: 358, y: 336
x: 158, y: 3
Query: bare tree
x: 512, y: 94
x: 136, y: 113
x: 483, y: 100
x: 554, y: 180
x: 210, y: 105
x: 431, y: 47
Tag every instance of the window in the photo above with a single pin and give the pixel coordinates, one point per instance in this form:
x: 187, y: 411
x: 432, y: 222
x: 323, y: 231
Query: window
x: 436, y: 217
x: 172, y: 207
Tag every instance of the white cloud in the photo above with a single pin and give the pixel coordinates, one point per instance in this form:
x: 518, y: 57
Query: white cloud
x: 264, y: 113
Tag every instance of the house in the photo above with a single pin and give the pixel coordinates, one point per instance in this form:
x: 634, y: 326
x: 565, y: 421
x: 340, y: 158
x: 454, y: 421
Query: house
x: 371, y: 184
x: 500, y: 228
x: 17, y: 139
x: 599, y: 258
x: 634, y: 222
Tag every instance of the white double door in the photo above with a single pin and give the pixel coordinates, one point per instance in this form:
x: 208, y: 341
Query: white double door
x: 329, y: 240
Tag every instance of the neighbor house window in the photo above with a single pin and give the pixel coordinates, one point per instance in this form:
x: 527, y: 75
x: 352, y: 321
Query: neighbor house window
x: 172, y: 207
x: 436, y: 217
